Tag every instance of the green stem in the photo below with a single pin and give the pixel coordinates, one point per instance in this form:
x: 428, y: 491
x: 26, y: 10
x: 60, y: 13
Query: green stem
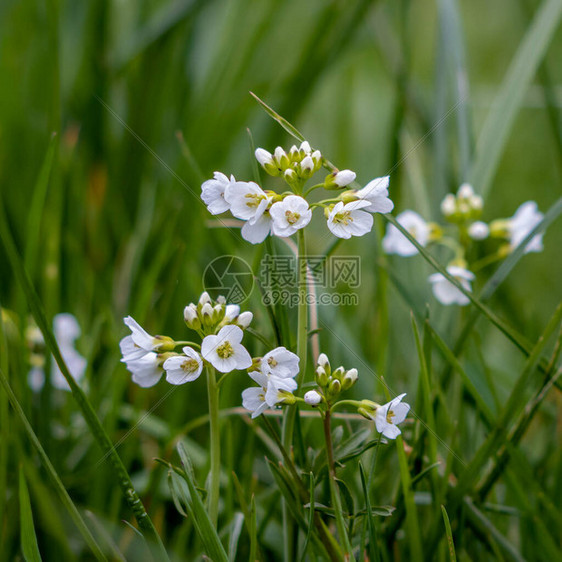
x: 334, y: 491
x: 213, y: 482
x: 302, y: 341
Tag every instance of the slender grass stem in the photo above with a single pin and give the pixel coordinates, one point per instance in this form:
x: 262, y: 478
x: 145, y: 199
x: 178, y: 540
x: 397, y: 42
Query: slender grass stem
x: 214, y: 476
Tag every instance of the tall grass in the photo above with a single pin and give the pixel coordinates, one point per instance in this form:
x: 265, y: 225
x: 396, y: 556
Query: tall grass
x: 111, y: 116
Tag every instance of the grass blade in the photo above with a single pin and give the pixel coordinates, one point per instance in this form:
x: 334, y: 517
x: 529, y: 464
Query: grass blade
x: 99, y: 433
x: 450, y: 542
x: 50, y: 469
x: 199, y: 514
x: 29, y: 545
x: 499, y: 121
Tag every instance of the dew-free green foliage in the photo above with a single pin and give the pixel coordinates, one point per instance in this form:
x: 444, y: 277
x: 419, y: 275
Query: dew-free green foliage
x: 111, y: 116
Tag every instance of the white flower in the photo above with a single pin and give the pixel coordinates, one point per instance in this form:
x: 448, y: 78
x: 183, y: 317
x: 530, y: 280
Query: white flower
x: 478, y: 230
x: 290, y: 215
x: 258, y: 228
x: 213, y: 193
x: 183, y: 368
x: 350, y: 220
x: 447, y: 293
x: 313, y: 398
x: 376, y: 193
x: 66, y: 331
x: 344, y: 177
x: 138, y: 343
x: 387, y: 417
x: 224, y: 351
x: 269, y: 393
x: 247, y: 199
x: 395, y: 242
x: 146, y: 370
x: 281, y: 363
x: 525, y: 219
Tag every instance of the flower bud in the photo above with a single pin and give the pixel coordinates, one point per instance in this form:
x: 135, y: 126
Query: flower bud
x: 334, y: 387
x: 164, y: 343
x: 191, y: 318
x: 323, y: 360
x: 221, y: 300
x: 244, y: 319
x: 306, y: 167
x: 344, y: 177
x: 317, y: 158
x: 218, y: 313
x: 294, y: 154
x: 338, y: 373
x: 305, y: 148
x: 281, y: 158
x: 321, y: 377
x: 291, y: 177
x: 465, y: 191
x: 313, y: 398
x: 204, y: 298
x: 478, y: 230
x: 264, y: 157
x: 206, y: 314
x: 349, y: 379
x: 286, y: 397
x: 449, y: 205
x: 231, y: 312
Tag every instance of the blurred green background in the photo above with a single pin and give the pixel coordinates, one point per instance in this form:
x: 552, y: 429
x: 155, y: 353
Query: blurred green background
x: 148, y: 98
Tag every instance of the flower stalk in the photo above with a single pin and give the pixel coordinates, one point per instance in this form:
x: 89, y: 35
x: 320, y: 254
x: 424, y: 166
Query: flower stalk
x: 334, y: 491
x: 213, y: 483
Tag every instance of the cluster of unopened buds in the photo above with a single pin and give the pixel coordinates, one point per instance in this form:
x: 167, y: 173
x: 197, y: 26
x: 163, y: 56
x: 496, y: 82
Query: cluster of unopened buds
x: 221, y: 328
x: 282, y: 214
x: 330, y: 383
x: 462, y: 214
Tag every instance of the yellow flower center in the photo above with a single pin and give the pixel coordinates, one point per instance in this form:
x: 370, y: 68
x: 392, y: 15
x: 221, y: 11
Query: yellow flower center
x: 271, y: 361
x: 344, y: 217
x: 253, y: 200
x: 292, y: 217
x: 190, y: 365
x: 389, y: 415
x: 225, y: 350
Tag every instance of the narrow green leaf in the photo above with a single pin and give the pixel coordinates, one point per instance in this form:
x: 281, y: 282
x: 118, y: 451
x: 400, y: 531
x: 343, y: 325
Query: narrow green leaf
x: 522, y: 69
x: 310, y: 517
x: 411, y: 510
x: 37, y: 207
x: 235, y: 535
x: 29, y: 545
x: 50, y: 469
x: 450, y: 542
x: 293, y: 131
x: 145, y: 523
x: 201, y: 519
x: 373, y: 546
x: 253, y: 531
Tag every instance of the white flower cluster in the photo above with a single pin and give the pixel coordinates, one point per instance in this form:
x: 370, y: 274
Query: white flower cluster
x: 66, y: 330
x: 274, y: 373
x: 220, y: 326
x: 283, y: 214
x: 462, y: 210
